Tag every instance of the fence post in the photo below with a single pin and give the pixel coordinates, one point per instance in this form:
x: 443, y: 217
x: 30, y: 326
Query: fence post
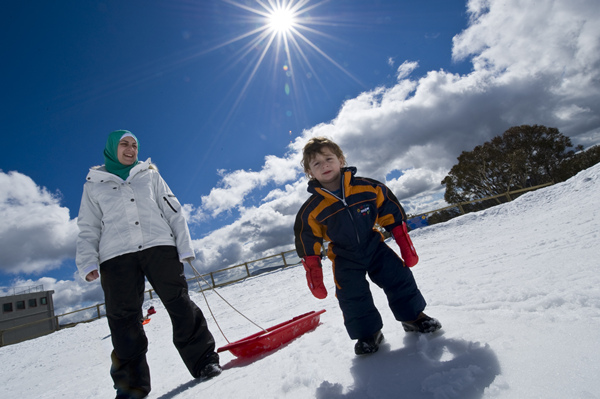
x: 462, y: 211
x: 508, y: 196
x: 247, y: 269
x: 283, y: 257
x: 212, y: 278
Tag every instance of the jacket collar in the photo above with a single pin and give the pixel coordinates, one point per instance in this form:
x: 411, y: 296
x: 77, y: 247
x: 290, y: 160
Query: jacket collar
x: 314, y: 187
x: 99, y: 174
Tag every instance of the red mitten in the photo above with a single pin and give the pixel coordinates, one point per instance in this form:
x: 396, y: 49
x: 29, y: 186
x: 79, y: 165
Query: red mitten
x: 314, y: 276
x: 407, y: 250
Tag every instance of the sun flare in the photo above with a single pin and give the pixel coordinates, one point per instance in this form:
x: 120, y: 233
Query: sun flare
x: 281, y: 20
x: 282, y: 33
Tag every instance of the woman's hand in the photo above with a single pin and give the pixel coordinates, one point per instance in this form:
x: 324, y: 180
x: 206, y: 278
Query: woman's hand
x: 91, y: 276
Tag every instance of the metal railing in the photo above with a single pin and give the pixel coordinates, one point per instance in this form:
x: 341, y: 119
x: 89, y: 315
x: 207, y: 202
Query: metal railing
x: 11, y: 291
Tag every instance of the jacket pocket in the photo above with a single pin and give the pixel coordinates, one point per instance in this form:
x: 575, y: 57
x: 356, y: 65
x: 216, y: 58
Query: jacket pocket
x: 169, y: 204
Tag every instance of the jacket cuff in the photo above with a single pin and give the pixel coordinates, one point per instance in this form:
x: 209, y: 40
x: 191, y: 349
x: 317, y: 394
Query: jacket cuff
x: 394, y: 225
x: 186, y: 255
x: 87, y: 270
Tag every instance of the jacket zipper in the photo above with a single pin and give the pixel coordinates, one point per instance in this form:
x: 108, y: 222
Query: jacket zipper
x: 343, y: 199
x: 168, y: 203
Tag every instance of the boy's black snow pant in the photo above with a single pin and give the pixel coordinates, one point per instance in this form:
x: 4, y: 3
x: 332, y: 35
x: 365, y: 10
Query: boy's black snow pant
x: 123, y: 284
x: 386, y: 269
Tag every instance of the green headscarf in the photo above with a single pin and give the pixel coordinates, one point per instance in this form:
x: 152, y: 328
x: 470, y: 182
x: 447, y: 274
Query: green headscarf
x: 111, y: 162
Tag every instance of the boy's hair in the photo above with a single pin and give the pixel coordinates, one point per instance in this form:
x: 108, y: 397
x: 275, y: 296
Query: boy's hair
x: 315, y: 145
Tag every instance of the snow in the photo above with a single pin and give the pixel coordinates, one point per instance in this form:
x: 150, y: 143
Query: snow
x: 516, y: 287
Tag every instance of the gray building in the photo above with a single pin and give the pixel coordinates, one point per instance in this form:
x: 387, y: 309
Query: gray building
x: 26, y: 313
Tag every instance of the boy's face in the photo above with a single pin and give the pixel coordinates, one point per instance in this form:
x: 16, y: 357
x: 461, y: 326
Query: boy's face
x: 326, y: 168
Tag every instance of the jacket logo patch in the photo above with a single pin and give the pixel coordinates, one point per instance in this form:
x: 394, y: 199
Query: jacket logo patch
x: 364, y: 210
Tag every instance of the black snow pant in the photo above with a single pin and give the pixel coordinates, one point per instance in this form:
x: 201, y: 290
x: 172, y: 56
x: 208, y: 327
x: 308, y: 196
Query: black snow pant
x: 386, y: 269
x: 123, y: 284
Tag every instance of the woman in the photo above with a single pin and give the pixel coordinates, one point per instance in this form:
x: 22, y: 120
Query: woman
x: 132, y: 228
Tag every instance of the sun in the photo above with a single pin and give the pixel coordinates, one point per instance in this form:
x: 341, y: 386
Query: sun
x: 281, y: 33
x: 281, y: 20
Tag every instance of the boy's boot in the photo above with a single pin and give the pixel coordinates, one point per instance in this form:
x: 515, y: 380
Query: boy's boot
x: 423, y: 324
x: 368, y: 345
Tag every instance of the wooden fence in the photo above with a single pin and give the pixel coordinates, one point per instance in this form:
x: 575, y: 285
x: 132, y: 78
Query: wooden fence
x: 232, y: 274
x: 461, y: 205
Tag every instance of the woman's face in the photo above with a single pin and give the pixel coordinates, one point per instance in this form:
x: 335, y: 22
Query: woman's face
x: 127, y: 151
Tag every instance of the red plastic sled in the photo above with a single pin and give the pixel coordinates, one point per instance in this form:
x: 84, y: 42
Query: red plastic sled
x: 274, y: 337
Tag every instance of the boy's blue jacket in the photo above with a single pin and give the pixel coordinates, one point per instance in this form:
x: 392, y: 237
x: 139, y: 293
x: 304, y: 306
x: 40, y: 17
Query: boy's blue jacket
x: 347, y: 222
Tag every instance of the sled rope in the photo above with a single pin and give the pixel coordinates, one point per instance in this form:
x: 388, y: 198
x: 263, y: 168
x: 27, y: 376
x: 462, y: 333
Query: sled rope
x: 220, y: 296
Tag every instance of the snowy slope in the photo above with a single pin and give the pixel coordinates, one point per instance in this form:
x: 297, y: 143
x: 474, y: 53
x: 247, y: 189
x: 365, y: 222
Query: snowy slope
x: 517, y: 288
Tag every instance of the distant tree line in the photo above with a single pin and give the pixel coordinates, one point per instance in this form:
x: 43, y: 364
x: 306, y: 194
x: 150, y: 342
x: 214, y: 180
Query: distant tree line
x: 523, y: 156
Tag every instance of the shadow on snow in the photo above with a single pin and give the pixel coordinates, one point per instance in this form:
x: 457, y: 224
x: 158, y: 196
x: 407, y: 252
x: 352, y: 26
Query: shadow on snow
x: 426, y: 367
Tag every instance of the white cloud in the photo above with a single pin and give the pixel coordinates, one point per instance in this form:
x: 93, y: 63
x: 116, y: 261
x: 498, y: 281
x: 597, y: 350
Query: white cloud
x: 234, y: 186
x: 259, y: 231
x: 36, y: 233
x: 555, y: 38
x: 416, y: 181
x: 570, y: 111
x: 406, y: 69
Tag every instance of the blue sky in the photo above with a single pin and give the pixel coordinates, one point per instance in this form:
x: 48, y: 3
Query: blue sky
x: 403, y: 86
x: 164, y: 71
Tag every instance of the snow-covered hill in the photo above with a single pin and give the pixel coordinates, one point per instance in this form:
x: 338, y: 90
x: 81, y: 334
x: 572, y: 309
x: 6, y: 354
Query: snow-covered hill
x: 516, y: 287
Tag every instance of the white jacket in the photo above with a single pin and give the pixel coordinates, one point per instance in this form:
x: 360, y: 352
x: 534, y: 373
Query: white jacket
x: 119, y: 216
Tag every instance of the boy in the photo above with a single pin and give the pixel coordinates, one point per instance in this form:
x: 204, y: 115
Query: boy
x: 343, y: 210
